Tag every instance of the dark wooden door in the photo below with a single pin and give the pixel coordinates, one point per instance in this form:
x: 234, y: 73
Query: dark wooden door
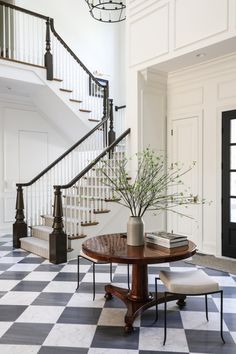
x: 229, y: 184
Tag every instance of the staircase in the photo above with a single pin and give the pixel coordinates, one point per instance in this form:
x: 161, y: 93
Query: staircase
x: 67, y: 201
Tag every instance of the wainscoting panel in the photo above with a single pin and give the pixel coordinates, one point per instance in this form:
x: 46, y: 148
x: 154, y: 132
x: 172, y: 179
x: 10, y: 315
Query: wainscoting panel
x: 195, y: 21
x: 151, y: 29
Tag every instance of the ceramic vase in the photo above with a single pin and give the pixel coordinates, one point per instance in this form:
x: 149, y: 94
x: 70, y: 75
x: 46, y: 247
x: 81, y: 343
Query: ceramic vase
x: 135, y: 231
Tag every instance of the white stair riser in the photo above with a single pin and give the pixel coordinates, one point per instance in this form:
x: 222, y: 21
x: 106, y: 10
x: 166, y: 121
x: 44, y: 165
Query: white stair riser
x: 26, y: 245
x: 42, y: 235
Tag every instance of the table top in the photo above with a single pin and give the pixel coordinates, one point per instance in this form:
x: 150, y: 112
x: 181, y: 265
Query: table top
x: 113, y: 248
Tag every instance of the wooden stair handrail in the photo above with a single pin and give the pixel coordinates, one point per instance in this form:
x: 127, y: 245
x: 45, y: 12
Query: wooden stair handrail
x: 94, y: 162
x: 73, y: 54
x: 27, y: 184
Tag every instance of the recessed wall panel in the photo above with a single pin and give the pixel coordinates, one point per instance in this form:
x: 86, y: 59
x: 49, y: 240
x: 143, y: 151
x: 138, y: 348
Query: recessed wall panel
x: 199, y: 19
x: 149, y: 36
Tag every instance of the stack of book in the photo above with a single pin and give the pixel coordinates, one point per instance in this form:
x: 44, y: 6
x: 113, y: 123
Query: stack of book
x: 165, y: 239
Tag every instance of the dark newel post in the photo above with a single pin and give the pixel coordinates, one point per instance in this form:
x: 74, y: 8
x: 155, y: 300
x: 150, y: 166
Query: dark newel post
x: 48, y: 55
x: 20, y: 226
x: 105, y: 113
x: 58, y: 238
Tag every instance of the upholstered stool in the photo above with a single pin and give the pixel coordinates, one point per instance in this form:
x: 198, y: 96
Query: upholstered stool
x: 189, y: 283
x: 94, y: 262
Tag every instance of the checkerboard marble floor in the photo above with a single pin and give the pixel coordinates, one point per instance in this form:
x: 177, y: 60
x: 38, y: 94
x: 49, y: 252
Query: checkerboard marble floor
x: 41, y: 311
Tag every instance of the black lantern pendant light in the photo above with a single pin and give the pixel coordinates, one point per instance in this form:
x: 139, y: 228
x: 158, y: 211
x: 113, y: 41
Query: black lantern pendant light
x: 108, y: 11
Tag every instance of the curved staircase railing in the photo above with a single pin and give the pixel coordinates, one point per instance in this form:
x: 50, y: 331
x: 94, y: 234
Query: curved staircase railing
x: 30, y: 38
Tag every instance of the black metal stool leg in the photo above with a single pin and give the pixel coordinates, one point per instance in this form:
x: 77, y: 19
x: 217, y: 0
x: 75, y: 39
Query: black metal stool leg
x: 111, y: 272
x: 165, y: 321
x: 93, y: 281
x: 128, y: 276
x: 78, y: 272
x: 156, y: 299
x: 221, y: 315
x: 206, y: 305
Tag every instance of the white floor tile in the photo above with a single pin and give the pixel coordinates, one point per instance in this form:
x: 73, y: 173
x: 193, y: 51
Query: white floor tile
x: 72, y: 268
x: 111, y: 351
x: 112, y: 317
x: 224, y: 281
x: 4, y: 326
x: 233, y: 334
x: 41, y: 314
x: 41, y: 276
x: 71, y: 335
x: 3, y: 253
x: 23, y: 267
x: 152, y: 339
x: 197, y: 320
x: 6, y: 285
x: 19, y: 349
x: 61, y: 286
x: 99, y: 277
x: 11, y: 259
x: 18, y: 298
x: 229, y: 304
x: 86, y: 300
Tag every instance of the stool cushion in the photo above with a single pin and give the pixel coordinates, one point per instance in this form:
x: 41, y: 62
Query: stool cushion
x: 94, y: 260
x: 189, y: 282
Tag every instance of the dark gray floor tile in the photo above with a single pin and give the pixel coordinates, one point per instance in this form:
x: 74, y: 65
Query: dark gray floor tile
x: 27, y: 285
x: 102, y: 268
x: 49, y: 267
x: 32, y: 260
x: 16, y: 253
x: 5, y: 266
x: 13, y: 275
x: 52, y: 299
x: 160, y: 352
x: 156, y: 270
x: 114, y: 303
x: 88, y: 288
x: 173, y: 319
x: 74, y: 261
x: 26, y: 333
x: 2, y: 293
x: 80, y: 315
x: 198, y: 304
x: 121, y: 278
x: 209, y: 342
x: 115, y: 337
x: 10, y: 313
x: 6, y: 248
x: 62, y: 350
x: 229, y: 291
x: 63, y: 276
x: 230, y: 320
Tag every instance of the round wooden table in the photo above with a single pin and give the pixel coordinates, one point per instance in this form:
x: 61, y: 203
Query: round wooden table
x: 113, y: 248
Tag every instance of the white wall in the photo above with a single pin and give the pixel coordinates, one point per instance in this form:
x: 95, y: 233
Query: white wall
x: 204, y: 91
x: 100, y: 46
x: 24, y: 136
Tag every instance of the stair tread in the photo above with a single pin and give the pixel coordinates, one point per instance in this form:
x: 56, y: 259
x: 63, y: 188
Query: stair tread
x: 66, y: 90
x: 85, y: 110
x: 94, y: 120
x: 74, y: 100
